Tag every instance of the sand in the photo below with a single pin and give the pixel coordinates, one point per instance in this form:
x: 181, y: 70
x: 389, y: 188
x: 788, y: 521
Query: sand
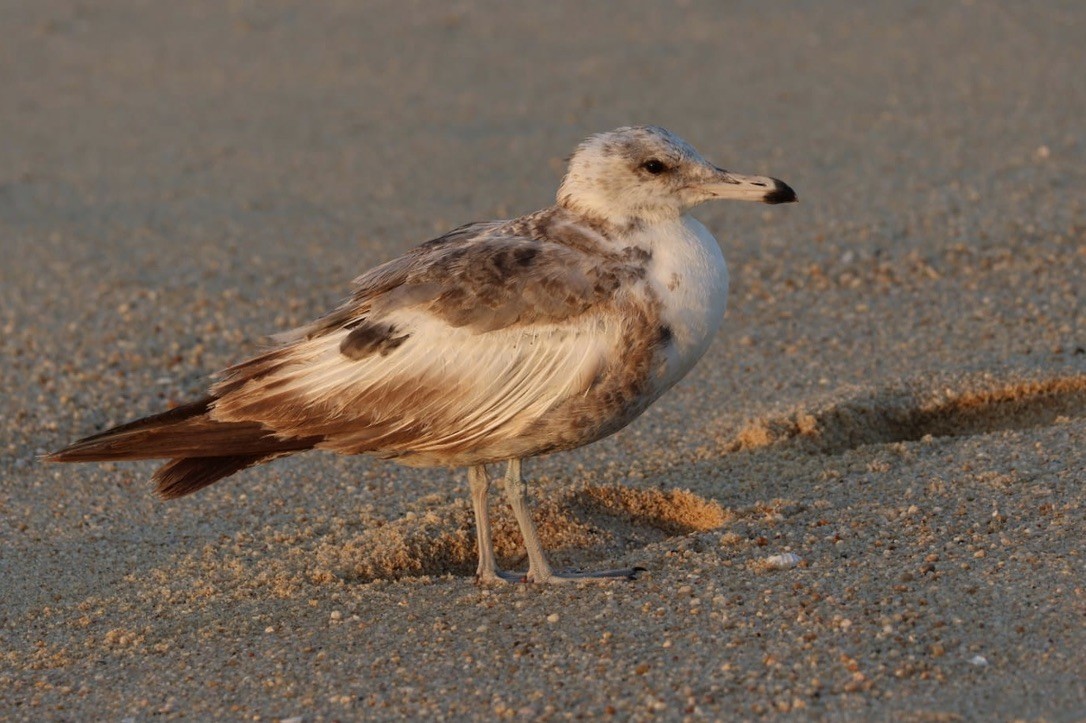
x: 866, y: 502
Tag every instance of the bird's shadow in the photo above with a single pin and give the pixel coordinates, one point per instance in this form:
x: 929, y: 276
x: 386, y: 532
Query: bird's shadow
x: 580, y: 526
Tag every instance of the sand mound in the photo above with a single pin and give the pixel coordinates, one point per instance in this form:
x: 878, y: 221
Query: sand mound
x: 906, y: 416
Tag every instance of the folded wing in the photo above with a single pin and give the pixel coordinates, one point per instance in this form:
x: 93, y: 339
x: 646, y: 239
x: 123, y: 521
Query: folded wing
x: 446, y: 356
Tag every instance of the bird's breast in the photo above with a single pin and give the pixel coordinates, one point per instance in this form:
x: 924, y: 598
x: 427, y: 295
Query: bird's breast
x: 688, y: 276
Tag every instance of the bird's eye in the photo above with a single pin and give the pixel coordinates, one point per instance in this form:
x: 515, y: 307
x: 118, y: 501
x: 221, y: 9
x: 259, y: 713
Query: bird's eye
x: 654, y: 166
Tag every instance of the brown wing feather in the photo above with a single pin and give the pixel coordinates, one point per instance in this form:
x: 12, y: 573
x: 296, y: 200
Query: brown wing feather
x: 480, y: 278
x: 186, y: 431
x: 390, y: 392
x: 184, y: 476
x: 488, y: 276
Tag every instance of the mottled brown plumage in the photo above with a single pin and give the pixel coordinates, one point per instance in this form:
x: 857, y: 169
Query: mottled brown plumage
x: 495, y: 342
x: 479, y: 280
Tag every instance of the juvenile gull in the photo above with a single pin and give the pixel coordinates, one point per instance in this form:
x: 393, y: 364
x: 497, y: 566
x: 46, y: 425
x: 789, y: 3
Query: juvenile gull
x: 497, y: 341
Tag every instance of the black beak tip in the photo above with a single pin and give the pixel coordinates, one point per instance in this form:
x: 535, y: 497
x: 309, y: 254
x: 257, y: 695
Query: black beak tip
x: 780, y: 193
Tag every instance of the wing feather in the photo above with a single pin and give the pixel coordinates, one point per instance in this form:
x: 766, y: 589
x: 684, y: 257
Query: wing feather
x: 486, y: 333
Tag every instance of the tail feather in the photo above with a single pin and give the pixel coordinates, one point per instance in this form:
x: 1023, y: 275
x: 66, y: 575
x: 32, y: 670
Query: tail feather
x: 201, y: 449
x: 155, y: 421
x: 187, y: 431
x: 181, y: 477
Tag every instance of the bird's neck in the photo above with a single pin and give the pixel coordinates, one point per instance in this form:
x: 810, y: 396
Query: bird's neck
x: 600, y: 210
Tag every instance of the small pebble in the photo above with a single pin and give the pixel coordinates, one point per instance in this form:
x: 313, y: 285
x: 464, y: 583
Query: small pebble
x: 782, y: 561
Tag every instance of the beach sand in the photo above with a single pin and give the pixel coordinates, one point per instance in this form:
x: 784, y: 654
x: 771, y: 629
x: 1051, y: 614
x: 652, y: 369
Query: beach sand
x: 897, y: 396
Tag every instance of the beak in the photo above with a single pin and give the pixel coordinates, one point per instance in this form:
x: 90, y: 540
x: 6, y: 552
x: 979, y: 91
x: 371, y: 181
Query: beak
x: 725, y: 184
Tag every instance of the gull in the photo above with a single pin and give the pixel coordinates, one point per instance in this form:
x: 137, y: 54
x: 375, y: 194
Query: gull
x: 496, y: 342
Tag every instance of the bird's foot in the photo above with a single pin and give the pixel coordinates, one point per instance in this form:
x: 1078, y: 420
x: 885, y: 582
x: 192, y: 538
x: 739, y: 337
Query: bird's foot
x: 555, y: 578
x: 499, y: 577
x: 624, y: 573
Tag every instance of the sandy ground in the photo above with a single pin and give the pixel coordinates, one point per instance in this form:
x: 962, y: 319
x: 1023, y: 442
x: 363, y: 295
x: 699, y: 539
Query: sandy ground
x: 898, y: 394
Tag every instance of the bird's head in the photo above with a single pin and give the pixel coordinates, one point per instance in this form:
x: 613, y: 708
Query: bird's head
x: 647, y: 173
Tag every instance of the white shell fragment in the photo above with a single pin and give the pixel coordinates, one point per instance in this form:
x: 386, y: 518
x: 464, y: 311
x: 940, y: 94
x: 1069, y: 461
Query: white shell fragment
x: 783, y: 561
